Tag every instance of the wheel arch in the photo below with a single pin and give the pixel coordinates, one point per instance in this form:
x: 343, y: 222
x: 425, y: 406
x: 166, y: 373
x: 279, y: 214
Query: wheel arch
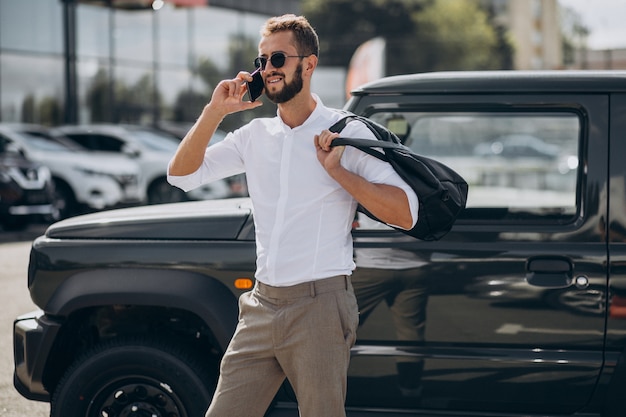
x: 156, y: 179
x: 64, y: 183
x: 153, y: 185
x: 196, y: 293
x: 71, y: 203
x: 193, y: 309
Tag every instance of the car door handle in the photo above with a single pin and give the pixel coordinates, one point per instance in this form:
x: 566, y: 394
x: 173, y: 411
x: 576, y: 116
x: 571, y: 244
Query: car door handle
x: 549, y: 272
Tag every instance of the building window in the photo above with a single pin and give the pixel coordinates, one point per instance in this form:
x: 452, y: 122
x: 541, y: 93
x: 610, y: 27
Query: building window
x: 31, y: 26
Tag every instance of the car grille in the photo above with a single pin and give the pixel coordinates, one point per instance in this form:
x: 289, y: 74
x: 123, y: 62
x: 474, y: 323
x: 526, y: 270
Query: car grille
x: 36, y: 197
x: 126, y: 180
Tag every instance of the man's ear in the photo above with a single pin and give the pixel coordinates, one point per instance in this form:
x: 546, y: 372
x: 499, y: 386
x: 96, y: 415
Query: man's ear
x: 311, y: 64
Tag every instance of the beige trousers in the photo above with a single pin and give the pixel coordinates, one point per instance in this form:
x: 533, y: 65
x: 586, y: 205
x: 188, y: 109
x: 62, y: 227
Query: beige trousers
x: 304, y: 333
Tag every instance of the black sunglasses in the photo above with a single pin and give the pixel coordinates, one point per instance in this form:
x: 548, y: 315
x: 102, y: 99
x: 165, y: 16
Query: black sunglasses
x: 277, y: 59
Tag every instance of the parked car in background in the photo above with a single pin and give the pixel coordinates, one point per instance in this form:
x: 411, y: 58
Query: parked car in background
x: 26, y: 190
x: 82, y: 181
x: 151, y: 149
x: 518, y: 145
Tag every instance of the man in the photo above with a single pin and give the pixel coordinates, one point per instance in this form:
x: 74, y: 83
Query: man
x: 300, y: 320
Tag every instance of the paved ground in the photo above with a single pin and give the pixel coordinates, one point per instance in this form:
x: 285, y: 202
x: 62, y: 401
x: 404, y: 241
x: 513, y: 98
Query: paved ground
x: 14, y: 300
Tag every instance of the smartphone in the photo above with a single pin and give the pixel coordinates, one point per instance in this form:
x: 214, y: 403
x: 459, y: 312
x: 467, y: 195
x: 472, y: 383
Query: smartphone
x: 255, y: 87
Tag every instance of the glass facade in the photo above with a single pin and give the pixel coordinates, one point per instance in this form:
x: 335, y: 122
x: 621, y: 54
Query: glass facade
x: 31, y: 61
x: 129, y: 65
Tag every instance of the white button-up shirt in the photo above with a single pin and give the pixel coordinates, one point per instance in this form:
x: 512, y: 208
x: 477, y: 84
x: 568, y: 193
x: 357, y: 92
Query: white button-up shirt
x: 303, y: 218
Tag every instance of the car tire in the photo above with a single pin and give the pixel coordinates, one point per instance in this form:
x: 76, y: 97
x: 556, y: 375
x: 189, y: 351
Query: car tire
x: 63, y: 200
x: 135, y: 377
x: 160, y: 191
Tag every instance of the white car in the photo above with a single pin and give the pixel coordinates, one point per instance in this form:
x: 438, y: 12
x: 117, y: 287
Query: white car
x: 152, y: 149
x: 82, y: 179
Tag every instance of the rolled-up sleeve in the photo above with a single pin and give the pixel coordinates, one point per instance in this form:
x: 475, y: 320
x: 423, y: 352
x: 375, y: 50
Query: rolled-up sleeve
x: 221, y: 160
x: 397, y: 181
x: 376, y: 171
x: 184, y: 182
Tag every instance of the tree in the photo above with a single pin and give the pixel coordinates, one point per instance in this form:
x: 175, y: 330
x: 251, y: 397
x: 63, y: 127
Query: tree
x: 28, y: 109
x: 99, y: 100
x: 455, y: 35
x: 135, y: 102
x: 575, y: 35
x: 343, y: 25
x: 421, y: 35
x: 208, y: 72
x: 50, y: 111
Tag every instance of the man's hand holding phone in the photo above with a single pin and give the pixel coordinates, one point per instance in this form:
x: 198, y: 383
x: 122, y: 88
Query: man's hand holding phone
x: 229, y: 96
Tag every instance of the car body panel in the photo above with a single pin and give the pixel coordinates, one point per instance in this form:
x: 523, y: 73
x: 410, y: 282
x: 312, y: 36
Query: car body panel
x: 163, y: 222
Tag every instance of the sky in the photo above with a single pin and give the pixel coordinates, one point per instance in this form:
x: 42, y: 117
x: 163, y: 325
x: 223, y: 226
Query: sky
x: 606, y: 20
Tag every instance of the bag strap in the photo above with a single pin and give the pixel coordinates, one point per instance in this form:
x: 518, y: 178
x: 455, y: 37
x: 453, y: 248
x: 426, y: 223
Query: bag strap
x: 368, y: 146
x: 349, y: 117
x: 362, y: 145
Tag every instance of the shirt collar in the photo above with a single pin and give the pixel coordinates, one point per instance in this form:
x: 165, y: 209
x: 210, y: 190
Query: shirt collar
x: 319, y: 111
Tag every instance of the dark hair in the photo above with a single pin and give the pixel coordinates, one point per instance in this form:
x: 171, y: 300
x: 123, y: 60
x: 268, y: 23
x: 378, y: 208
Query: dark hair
x: 306, y: 39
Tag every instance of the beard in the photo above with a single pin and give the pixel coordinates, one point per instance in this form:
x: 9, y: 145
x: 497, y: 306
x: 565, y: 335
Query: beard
x: 289, y: 91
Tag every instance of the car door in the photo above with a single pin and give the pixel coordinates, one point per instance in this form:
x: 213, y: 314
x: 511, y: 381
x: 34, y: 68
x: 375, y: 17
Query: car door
x: 506, y: 313
x: 616, y: 314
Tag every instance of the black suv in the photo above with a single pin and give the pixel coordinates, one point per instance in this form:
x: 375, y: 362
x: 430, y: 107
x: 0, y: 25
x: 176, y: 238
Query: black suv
x: 26, y: 190
x: 519, y: 311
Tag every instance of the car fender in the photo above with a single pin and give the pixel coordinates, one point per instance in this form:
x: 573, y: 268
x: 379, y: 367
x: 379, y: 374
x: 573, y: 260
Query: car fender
x: 209, y: 299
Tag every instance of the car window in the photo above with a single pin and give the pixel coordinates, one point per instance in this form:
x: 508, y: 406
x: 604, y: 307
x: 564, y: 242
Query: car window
x: 106, y: 143
x: 44, y: 142
x: 156, y: 141
x: 520, y: 167
x: 82, y: 140
x: 97, y: 142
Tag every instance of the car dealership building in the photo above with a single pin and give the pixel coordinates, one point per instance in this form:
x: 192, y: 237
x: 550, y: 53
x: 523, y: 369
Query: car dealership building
x: 140, y: 61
